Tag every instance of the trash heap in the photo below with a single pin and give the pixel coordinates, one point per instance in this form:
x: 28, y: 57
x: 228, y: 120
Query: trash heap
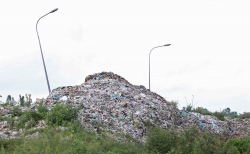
x: 109, y: 102
x: 7, y: 131
x: 229, y: 128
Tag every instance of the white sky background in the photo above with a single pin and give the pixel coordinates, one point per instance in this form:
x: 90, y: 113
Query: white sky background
x: 209, y: 56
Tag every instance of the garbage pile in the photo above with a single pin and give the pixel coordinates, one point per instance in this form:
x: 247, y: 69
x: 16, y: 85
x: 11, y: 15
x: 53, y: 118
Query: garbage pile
x: 7, y: 122
x: 5, y: 131
x: 229, y: 128
x: 109, y: 102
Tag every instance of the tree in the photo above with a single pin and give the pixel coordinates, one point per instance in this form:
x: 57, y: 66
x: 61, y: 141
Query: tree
x: 28, y: 99
x: 8, y: 100
x: 227, y: 111
x: 21, y: 100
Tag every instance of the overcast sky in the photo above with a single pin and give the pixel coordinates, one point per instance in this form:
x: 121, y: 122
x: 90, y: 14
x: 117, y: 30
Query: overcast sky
x: 209, y: 56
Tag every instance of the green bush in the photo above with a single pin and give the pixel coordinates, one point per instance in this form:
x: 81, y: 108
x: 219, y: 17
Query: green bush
x: 219, y: 115
x: 28, y: 119
x: 161, y: 141
x: 10, y: 121
x: 207, y: 143
x: 189, y: 107
x: 59, y: 115
x: 42, y: 110
x: 202, y: 110
x: 16, y: 111
x: 190, y: 141
x: 244, y: 115
x: 4, y: 104
x: 21, y: 100
x: 175, y: 103
x: 243, y: 145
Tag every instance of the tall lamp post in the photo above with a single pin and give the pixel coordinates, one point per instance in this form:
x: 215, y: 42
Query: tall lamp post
x: 149, y: 58
x: 41, y: 47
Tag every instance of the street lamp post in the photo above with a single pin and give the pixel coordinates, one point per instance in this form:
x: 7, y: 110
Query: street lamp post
x: 41, y: 47
x: 149, y: 58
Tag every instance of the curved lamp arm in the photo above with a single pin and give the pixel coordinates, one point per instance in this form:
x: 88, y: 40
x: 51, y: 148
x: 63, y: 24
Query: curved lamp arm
x: 149, y: 58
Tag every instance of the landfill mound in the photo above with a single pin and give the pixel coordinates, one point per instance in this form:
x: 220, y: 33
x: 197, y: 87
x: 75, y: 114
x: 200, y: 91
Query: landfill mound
x: 109, y: 102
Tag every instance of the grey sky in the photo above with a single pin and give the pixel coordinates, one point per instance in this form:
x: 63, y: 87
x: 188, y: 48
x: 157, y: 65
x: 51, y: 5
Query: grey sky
x: 208, y: 58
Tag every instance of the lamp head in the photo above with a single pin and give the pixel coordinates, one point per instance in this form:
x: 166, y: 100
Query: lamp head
x: 54, y: 10
x: 167, y: 45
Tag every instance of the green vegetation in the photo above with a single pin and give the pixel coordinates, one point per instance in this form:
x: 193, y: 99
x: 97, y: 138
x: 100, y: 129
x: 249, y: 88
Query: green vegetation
x: 244, y: 115
x: 193, y: 141
x: 21, y: 100
x: 243, y: 145
x: 16, y: 111
x: 60, y: 115
x: 202, y: 110
x: 42, y: 110
x: 220, y: 115
x: 74, y: 139
x: 28, y: 119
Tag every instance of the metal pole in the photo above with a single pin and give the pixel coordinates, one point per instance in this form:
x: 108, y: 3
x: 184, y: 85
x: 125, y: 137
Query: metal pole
x: 41, y: 48
x: 149, y: 59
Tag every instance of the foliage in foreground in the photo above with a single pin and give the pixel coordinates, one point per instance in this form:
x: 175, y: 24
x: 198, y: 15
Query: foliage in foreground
x: 59, y: 115
x: 72, y: 141
x: 75, y: 140
x: 190, y: 141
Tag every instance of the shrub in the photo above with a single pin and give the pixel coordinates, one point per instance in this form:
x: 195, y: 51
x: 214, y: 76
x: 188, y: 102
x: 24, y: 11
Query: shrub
x: 8, y: 100
x: 244, y: 115
x: 189, y: 108
x: 28, y: 119
x: 189, y: 141
x: 16, y: 111
x: 61, y: 114
x: 219, y: 115
x: 42, y: 110
x: 175, y: 103
x: 21, y: 100
x: 202, y: 110
x: 243, y: 145
x: 10, y: 121
x: 161, y: 141
x: 4, y: 104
